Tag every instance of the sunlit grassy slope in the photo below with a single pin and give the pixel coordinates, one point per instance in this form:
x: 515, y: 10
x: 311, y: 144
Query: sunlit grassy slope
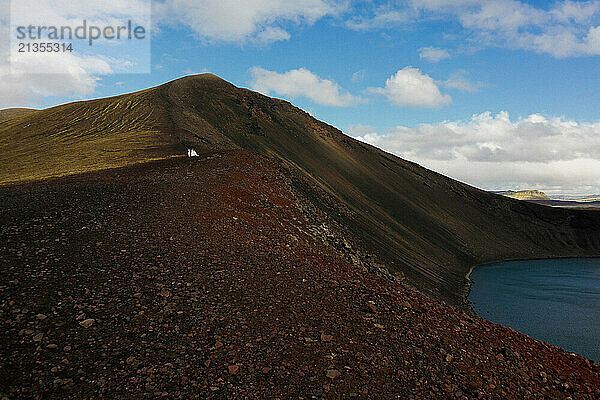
x: 10, y: 113
x: 83, y: 136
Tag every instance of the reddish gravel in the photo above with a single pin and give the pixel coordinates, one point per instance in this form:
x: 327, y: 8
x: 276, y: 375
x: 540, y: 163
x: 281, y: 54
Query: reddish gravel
x: 198, y: 278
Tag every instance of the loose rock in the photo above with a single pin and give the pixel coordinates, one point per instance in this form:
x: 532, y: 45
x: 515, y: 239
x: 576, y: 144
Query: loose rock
x: 86, y: 323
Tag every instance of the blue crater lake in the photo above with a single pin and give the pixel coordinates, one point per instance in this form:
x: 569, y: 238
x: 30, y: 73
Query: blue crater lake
x: 557, y: 300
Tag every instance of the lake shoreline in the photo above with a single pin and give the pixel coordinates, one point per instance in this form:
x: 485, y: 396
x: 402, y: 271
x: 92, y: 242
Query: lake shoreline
x: 549, y: 299
x: 467, y: 290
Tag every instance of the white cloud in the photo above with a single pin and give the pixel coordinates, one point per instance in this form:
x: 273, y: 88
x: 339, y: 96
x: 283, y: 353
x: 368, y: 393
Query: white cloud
x: 495, y: 152
x: 458, y: 80
x: 189, y: 71
x: 243, y: 21
x: 409, y: 87
x: 501, y: 15
x: 579, y: 12
x: 433, y: 54
x: 383, y: 17
x: 67, y: 74
x: 272, y: 34
x: 565, y: 29
x: 30, y: 79
x: 302, y: 82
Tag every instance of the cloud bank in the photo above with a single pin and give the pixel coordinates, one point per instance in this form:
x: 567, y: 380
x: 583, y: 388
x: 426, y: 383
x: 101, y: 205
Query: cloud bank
x: 564, y: 29
x: 67, y: 74
x: 495, y: 152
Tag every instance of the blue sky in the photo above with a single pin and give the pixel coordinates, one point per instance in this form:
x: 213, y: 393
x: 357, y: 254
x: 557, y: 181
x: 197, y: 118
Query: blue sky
x: 500, y: 94
x: 518, y: 81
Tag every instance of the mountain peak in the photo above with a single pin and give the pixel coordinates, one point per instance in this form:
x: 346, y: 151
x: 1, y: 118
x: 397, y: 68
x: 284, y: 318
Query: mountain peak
x: 421, y: 225
x: 198, y: 78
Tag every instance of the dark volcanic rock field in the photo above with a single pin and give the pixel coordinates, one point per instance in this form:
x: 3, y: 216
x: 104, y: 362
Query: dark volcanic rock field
x: 200, y: 278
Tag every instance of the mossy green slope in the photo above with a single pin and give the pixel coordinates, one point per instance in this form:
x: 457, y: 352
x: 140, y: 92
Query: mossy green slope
x: 84, y: 136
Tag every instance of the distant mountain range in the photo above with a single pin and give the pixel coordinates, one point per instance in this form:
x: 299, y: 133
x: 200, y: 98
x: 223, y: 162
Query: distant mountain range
x: 525, y: 194
x: 579, y: 198
x: 540, y: 195
x: 565, y: 201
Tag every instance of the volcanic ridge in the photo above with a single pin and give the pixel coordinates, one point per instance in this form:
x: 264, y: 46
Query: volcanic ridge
x: 286, y: 260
